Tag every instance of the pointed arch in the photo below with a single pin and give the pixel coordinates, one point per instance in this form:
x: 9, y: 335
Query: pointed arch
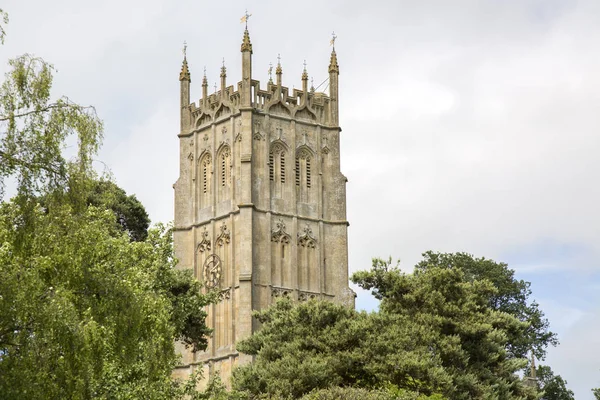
x: 305, y: 113
x: 203, y: 119
x: 222, y: 111
x: 278, y: 108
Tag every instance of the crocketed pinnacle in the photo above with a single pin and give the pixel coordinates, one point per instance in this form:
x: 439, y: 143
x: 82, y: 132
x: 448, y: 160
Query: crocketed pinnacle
x: 184, y: 75
x: 304, y: 75
x: 278, y: 70
x: 333, y: 63
x: 204, y: 80
x: 223, y: 72
x: 246, y: 45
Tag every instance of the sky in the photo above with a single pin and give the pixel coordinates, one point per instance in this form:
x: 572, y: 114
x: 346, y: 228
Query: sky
x: 467, y: 125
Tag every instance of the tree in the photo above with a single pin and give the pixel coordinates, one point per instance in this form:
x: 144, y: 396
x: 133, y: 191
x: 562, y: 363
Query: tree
x: 85, y: 312
x: 596, y: 393
x: 435, y: 334
x: 130, y: 214
x: 553, y: 386
x: 465, y: 336
x: 34, y: 130
x: 511, y: 296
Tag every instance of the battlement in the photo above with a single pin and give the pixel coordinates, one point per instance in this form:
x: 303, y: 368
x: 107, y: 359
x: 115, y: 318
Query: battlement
x: 277, y: 100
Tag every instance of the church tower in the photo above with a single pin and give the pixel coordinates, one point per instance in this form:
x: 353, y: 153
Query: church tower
x: 260, y: 202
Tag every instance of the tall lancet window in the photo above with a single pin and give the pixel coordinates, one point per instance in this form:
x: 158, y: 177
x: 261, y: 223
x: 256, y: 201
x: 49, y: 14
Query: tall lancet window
x: 277, y: 174
x: 224, y: 179
x: 205, y: 180
x: 304, y: 175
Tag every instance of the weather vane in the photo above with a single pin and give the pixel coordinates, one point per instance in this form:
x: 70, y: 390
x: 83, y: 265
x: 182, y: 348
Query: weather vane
x: 245, y: 18
x: 184, y: 49
x: 332, y: 41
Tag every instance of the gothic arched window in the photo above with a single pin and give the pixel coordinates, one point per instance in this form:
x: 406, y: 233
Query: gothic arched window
x: 224, y: 165
x: 303, y: 175
x: 205, y: 174
x: 277, y: 156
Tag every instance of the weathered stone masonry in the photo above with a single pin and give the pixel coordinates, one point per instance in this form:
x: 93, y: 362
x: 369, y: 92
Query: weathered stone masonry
x: 260, y: 203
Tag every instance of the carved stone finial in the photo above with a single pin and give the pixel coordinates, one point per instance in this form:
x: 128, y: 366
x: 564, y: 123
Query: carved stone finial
x: 332, y: 41
x: 278, y: 70
x: 204, y: 81
x: 270, y: 72
x: 333, y: 63
x: 304, y: 73
x: 246, y: 45
x: 223, y: 69
x: 184, y: 75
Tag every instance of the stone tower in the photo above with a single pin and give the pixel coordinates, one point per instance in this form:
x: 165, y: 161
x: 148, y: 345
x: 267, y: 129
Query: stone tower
x: 260, y: 203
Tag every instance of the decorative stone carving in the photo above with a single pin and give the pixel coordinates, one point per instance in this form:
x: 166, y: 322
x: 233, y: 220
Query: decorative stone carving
x: 238, y: 138
x: 226, y: 293
x: 224, y: 237
x: 258, y: 136
x: 306, y: 238
x: 280, y: 292
x: 204, y: 244
x: 305, y: 296
x: 279, y: 234
x: 212, y: 271
x: 224, y: 130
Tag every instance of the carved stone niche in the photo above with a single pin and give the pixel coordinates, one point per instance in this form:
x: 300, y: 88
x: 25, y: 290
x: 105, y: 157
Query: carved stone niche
x: 280, y: 292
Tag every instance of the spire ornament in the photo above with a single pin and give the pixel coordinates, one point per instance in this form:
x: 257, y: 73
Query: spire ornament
x: 304, y: 73
x: 278, y: 70
x: 333, y: 63
x: 246, y: 45
x: 184, y: 75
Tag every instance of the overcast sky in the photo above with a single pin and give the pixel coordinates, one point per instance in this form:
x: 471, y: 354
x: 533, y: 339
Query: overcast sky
x: 467, y: 125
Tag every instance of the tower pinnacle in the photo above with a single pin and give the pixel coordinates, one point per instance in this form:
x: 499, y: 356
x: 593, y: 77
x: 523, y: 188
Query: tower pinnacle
x: 246, y: 45
x: 184, y: 75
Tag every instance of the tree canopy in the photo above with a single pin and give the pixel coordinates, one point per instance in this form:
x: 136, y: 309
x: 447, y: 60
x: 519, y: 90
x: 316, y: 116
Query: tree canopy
x: 90, y: 300
x: 435, y: 335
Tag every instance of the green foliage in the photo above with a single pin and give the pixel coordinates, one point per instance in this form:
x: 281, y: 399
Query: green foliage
x: 3, y: 21
x: 85, y: 312
x: 511, y: 296
x: 596, y: 393
x: 90, y: 304
x: 350, y: 393
x: 34, y: 131
x: 130, y: 214
x: 553, y: 386
x: 464, y: 337
x: 435, y: 335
